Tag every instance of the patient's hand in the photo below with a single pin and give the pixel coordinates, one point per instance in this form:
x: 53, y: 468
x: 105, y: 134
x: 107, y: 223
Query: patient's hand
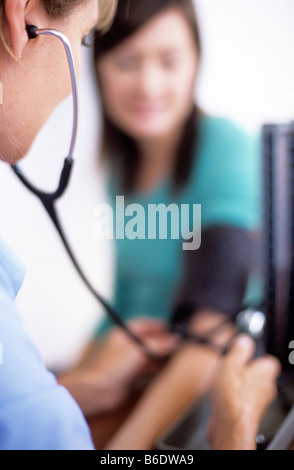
x: 242, y: 391
x: 104, y: 381
x: 125, y: 360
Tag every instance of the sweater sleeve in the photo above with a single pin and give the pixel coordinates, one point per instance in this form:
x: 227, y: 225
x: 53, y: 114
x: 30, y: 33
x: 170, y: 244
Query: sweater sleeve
x: 228, y: 176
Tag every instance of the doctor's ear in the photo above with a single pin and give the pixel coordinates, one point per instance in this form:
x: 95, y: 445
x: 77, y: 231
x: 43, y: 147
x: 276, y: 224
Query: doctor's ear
x: 16, y: 14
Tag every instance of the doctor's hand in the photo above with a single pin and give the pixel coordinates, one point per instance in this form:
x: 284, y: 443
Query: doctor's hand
x: 105, y: 379
x: 241, y: 393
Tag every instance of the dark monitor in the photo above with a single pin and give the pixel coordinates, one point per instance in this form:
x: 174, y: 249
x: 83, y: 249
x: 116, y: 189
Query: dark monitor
x: 278, y: 166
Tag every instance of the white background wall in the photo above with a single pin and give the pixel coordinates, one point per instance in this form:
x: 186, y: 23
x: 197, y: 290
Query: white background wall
x: 247, y: 74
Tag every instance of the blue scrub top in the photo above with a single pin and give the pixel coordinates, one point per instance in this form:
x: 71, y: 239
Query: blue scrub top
x: 35, y: 412
x: 226, y: 181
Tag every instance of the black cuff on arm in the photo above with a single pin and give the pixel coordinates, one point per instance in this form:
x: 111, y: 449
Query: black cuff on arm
x: 216, y: 275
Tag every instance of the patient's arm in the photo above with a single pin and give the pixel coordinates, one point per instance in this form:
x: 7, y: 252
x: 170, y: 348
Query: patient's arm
x: 184, y: 379
x: 105, y: 375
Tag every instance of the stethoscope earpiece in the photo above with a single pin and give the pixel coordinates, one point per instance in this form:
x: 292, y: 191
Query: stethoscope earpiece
x: 31, y: 30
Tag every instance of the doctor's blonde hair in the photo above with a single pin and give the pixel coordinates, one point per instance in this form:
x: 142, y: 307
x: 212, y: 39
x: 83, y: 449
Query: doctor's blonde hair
x: 59, y: 8
x: 62, y: 8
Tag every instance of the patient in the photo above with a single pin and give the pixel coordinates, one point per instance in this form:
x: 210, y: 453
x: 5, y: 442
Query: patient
x: 161, y: 148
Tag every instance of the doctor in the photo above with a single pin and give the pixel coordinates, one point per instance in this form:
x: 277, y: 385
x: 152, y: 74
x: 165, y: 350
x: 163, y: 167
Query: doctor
x: 35, y: 411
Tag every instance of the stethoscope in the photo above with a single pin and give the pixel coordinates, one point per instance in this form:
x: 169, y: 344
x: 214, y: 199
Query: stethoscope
x: 48, y: 201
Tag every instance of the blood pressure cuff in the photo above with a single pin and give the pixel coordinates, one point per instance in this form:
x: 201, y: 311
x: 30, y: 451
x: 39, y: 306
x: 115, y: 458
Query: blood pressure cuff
x: 216, y: 275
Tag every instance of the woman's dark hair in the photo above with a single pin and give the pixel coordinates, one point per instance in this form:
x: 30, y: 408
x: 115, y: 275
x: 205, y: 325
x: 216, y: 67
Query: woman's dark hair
x: 116, y: 146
